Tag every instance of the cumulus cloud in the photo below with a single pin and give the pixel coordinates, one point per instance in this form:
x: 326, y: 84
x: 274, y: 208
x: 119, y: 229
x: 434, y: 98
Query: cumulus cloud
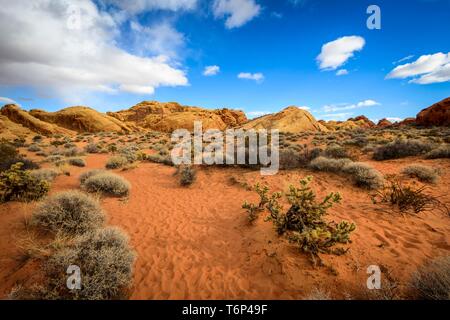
x: 138, y: 6
x: 394, y: 119
x: 403, y: 59
x: 342, y: 72
x: 5, y: 100
x: 427, y: 69
x: 336, y: 53
x: 237, y: 12
x: 258, y: 77
x: 342, y: 107
x: 211, y: 71
x: 337, y: 116
x: 70, y: 47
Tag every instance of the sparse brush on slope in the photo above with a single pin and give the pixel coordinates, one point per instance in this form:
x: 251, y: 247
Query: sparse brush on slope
x: 439, y: 153
x: 401, y: 149
x: 421, y: 172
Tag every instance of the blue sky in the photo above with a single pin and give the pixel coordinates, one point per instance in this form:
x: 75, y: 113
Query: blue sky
x: 263, y: 55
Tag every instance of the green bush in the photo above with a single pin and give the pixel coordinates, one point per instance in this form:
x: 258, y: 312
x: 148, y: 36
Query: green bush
x: 107, y: 183
x: 304, y: 221
x: 20, y: 185
x: 432, y: 281
x: 116, y: 162
x: 92, y: 148
x: 252, y: 209
x: 421, y: 172
x: 70, y: 212
x: 401, y: 149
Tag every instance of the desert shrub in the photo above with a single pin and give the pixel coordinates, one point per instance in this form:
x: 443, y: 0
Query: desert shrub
x: 72, y: 152
x: 116, y: 162
x: 77, y: 162
x: 291, y: 159
x: 157, y: 158
x: 439, y: 153
x: 70, y: 212
x: 37, y: 138
x: 107, y: 183
x: 7, y: 151
x: 421, y: 172
x: 401, y: 149
x: 20, y: 185
x: 407, y: 198
x: 86, y: 175
x: 92, y: 148
x: 328, y: 165
x: 106, y: 261
x: 187, y: 175
x: 336, y: 152
x: 54, y: 158
x: 26, y: 164
x: 44, y: 174
x: 432, y: 281
x: 252, y: 209
x: 129, y: 153
x: 364, y: 175
x: 318, y: 295
x: 304, y: 221
x: 34, y: 148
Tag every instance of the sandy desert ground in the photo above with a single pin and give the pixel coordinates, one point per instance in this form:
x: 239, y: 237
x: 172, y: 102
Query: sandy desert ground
x: 196, y: 242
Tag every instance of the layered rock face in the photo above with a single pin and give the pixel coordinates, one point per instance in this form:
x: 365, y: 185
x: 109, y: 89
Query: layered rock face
x: 15, y: 114
x: 292, y: 119
x: 167, y: 117
x: 436, y: 115
x: 82, y: 119
x: 384, y: 123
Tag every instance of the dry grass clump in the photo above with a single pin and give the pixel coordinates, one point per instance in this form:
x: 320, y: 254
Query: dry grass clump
x: 92, y: 148
x: 439, y: 153
x: 34, y: 148
x: 116, y: 162
x: 318, y: 295
x: 401, y: 149
x: 421, y: 172
x: 432, y: 281
x: 107, y: 183
x: 328, y: 165
x: 407, y: 198
x: 77, y: 162
x: 86, y: 175
x: 71, y: 212
x: 106, y: 262
x: 45, y: 174
x: 362, y: 174
x: 187, y: 175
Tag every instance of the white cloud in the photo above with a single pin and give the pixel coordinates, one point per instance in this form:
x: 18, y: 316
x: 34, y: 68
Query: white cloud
x: 432, y: 68
x: 342, y: 72
x: 342, y: 107
x: 255, y: 114
x: 394, y: 119
x: 304, y: 108
x: 160, y: 39
x: 237, y: 12
x: 403, y: 59
x: 44, y: 47
x: 139, y: 6
x: 258, y: 77
x: 5, y: 100
x: 337, y: 116
x: 211, y: 70
x: 336, y: 53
